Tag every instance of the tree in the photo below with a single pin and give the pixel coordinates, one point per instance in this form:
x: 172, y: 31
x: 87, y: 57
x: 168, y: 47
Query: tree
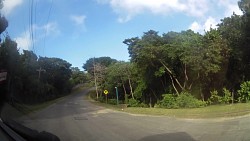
x: 57, y: 74
x: 244, y: 5
x: 10, y: 61
x: 96, y: 67
x: 182, y: 60
x: 121, y: 74
x: 235, y: 30
x: 99, y: 77
x: 77, y: 77
x: 104, y: 61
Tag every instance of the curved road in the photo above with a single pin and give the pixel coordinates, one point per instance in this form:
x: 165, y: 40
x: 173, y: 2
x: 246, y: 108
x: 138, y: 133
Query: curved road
x: 77, y: 119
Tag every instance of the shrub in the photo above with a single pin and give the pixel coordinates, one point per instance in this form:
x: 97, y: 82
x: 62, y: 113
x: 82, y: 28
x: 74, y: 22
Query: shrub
x: 227, y: 96
x: 101, y: 99
x: 215, y: 98
x: 157, y: 105
x: 133, y: 103
x: 92, y: 94
x: 168, y: 101
x: 112, y: 101
x: 186, y: 100
x: 244, y: 92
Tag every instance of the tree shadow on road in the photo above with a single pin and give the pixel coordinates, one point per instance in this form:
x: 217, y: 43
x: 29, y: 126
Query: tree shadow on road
x: 178, y: 136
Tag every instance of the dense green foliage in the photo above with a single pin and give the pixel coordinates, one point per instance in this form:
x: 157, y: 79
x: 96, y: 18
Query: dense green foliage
x: 196, y: 69
x: 168, y: 101
x: 133, y: 103
x: 244, y: 92
x: 184, y: 100
x: 31, y: 79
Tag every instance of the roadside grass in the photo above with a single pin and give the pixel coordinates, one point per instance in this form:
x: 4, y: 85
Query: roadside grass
x: 26, y: 109
x: 213, y: 111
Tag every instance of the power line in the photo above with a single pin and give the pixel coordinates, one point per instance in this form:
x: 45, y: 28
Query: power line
x: 44, y: 39
x: 31, y: 31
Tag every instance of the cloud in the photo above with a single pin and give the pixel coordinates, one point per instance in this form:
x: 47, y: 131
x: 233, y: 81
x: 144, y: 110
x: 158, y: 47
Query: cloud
x: 210, y: 22
x: 10, y: 5
x: 127, y: 9
x: 51, y: 29
x: 227, y: 7
x: 24, y: 41
x: 195, y: 26
x: 78, y: 19
x: 230, y: 7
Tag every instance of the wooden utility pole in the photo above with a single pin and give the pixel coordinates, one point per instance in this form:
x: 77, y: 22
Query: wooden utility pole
x: 97, y: 94
x: 39, y: 72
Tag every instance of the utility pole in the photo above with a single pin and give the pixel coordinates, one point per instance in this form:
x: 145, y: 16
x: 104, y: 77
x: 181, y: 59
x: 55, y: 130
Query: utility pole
x: 39, y: 72
x: 97, y: 95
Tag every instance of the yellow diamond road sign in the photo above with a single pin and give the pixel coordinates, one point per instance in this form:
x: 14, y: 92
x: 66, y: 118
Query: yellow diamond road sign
x: 106, y: 91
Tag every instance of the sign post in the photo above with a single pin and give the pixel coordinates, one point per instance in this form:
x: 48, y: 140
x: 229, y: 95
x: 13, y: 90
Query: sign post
x: 117, y: 100
x: 106, y: 94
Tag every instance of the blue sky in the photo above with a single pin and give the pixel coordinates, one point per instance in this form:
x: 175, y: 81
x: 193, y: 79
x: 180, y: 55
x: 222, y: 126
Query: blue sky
x: 76, y: 30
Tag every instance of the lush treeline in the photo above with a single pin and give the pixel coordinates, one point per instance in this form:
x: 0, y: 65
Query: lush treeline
x: 212, y: 67
x: 31, y: 79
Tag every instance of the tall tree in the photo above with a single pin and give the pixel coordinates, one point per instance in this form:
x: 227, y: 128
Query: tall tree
x: 77, y: 77
x: 104, y: 61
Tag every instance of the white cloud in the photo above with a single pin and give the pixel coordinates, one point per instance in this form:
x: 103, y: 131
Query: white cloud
x: 205, y: 26
x: 51, y: 29
x: 195, y: 26
x: 227, y: 7
x: 210, y: 23
x: 127, y: 9
x: 233, y: 8
x: 24, y: 41
x: 10, y: 5
x: 230, y: 7
x: 78, y: 19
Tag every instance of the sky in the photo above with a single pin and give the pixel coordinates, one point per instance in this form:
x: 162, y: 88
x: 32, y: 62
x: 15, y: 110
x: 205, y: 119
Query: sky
x: 76, y: 30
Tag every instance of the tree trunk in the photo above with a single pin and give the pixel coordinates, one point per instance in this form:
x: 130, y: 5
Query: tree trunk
x: 202, y: 95
x: 150, y: 101
x: 172, y: 76
x: 124, y: 89
x: 172, y: 81
x: 186, y: 76
x: 154, y: 94
x: 131, y: 89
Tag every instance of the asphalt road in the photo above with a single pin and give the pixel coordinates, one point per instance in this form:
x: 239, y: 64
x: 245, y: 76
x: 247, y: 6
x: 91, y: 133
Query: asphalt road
x: 77, y: 119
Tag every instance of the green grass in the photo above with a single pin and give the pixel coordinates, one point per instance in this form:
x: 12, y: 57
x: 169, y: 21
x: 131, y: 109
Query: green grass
x: 214, y: 111
x: 26, y: 109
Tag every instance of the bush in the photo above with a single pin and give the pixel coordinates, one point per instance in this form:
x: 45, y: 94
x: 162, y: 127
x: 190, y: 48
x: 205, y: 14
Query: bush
x: 133, y: 103
x: 112, y: 101
x: 92, y: 94
x: 215, y: 98
x: 101, y: 99
x: 244, y: 92
x: 143, y: 105
x: 186, y: 100
x: 168, y: 101
x: 227, y: 96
